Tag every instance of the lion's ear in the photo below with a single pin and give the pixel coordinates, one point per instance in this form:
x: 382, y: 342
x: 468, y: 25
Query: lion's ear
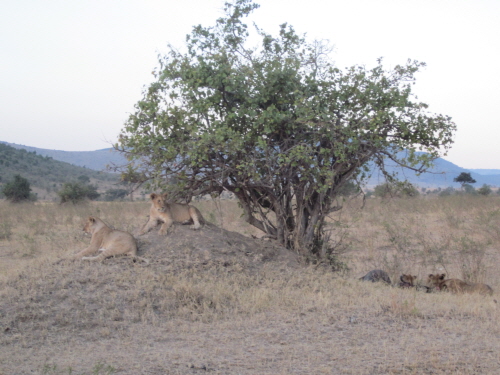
x: 164, y: 195
x: 442, y: 276
x: 92, y: 219
x: 414, y: 277
x: 152, y: 195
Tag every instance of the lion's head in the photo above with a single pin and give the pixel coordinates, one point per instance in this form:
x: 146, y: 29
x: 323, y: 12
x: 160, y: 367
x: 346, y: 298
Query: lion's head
x: 159, y: 201
x: 408, y: 280
x: 90, y: 225
x: 434, y: 281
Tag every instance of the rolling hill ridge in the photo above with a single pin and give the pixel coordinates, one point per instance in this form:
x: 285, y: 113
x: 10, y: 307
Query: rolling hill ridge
x: 440, y: 176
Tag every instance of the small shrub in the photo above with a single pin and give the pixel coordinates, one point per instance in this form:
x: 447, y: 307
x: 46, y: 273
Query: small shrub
x: 484, y: 190
x: 115, y: 194
x: 469, y: 189
x: 76, y: 192
x: 396, y: 189
x: 18, y: 190
x: 447, y: 192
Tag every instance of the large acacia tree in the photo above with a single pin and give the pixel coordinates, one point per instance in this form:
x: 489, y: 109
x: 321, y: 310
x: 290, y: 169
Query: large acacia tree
x: 277, y: 124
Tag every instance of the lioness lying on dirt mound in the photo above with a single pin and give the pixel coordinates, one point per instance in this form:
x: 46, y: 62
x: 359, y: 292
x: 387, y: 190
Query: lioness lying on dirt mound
x: 457, y: 286
x: 170, y: 213
x: 107, y: 240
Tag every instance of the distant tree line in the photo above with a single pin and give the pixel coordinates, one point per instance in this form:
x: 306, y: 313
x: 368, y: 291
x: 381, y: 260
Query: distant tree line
x: 19, y: 190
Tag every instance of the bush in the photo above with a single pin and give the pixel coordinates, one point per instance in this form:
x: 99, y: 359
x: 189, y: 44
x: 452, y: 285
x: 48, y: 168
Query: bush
x: 484, y: 190
x: 469, y: 189
x: 447, y: 192
x: 115, y: 194
x: 18, y: 190
x: 396, y: 189
x: 76, y: 192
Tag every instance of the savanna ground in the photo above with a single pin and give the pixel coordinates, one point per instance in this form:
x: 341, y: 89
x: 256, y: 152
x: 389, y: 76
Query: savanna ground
x: 219, y: 301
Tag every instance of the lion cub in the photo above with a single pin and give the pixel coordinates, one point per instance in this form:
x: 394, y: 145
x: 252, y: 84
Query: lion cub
x: 107, y: 240
x: 407, y: 281
x: 170, y: 213
x: 457, y: 286
x: 410, y: 281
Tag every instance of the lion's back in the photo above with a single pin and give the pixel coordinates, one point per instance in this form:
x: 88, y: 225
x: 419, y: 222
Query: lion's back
x: 460, y: 286
x: 180, y: 212
x: 120, y: 242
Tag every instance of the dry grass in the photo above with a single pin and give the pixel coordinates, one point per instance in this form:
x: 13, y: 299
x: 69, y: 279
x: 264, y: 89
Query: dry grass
x: 214, y: 301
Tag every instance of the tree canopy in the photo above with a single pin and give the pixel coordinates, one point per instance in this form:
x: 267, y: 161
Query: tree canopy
x: 464, y: 178
x: 277, y: 124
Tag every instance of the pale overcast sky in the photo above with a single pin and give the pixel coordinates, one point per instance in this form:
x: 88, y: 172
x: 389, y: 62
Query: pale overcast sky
x: 71, y: 71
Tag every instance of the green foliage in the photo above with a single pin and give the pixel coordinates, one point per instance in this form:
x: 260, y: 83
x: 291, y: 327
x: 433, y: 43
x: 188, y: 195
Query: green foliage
x: 464, y: 178
x: 484, y: 190
x: 76, y: 192
x: 396, y: 189
x: 18, y: 190
x: 115, y: 194
x: 278, y: 125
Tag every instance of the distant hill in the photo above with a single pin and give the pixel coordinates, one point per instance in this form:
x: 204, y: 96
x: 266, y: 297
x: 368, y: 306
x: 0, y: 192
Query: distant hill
x: 46, y: 175
x: 486, y: 172
x: 97, y: 160
x: 441, y: 175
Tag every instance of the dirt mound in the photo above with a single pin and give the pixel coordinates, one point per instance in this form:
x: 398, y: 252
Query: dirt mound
x: 184, y: 248
x: 83, y: 295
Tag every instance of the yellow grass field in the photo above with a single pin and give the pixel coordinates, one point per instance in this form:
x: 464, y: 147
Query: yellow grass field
x: 222, y: 301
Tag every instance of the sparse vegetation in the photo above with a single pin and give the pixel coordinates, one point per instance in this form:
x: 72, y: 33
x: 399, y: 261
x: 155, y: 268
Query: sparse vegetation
x: 167, y: 317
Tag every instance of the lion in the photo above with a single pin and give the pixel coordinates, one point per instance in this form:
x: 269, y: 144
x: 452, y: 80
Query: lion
x: 376, y: 275
x: 170, y: 213
x: 439, y: 282
x: 108, y: 241
x: 410, y: 281
x: 407, y: 281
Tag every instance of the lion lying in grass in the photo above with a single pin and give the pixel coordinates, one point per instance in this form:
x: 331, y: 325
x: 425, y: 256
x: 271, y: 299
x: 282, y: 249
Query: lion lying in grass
x: 410, y: 281
x: 407, y: 281
x: 108, y: 241
x: 170, y: 213
x: 457, y: 286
